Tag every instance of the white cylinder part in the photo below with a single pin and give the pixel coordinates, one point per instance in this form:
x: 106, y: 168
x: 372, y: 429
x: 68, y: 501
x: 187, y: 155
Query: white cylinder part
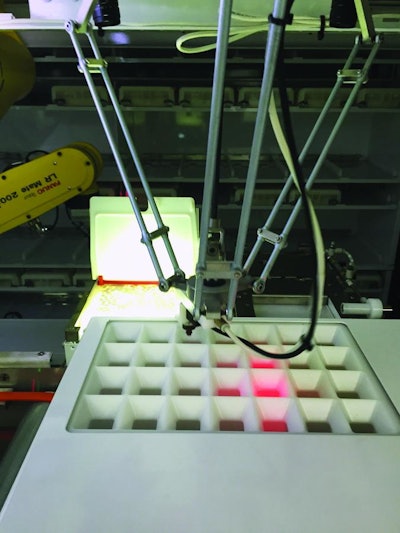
x: 371, y: 308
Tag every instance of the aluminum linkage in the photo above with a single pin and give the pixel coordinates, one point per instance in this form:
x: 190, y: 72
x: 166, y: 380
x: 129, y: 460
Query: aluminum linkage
x: 202, y: 270
x: 98, y: 65
x: 355, y: 76
x: 271, y: 54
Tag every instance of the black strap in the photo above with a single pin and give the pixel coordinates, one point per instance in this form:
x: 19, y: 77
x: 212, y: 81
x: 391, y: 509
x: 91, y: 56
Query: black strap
x: 281, y: 22
x: 321, y: 33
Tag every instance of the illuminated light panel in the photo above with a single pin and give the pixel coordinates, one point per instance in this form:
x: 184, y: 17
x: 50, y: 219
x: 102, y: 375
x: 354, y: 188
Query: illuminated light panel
x: 129, y: 301
x: 277, y: 426
x: 228, y: 391
x: 262, y: 391
x: 262, y: 362
x: 270, y: 383
x: 116, y: 250
x: 117, y: 253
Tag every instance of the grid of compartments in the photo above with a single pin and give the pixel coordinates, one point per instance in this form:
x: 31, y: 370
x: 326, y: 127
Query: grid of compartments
x: 151, y: 376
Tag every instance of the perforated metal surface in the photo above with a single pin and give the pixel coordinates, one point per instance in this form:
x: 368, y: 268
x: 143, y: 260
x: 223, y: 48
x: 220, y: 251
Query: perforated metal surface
x: 151, y: 376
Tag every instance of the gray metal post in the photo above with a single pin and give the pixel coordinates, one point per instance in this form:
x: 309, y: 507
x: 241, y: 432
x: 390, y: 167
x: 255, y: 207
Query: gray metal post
x: 133, y: 152
x: 271, y: 54
x: 260, y: 283
x: 224, y: 19
x: 289, y: 182
x: 146, y: 235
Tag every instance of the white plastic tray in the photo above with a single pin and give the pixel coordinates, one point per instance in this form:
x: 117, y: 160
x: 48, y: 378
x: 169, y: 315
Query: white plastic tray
x: 151, y: 376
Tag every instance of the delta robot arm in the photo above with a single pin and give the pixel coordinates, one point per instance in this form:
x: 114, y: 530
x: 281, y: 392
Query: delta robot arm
x: 208, y: 268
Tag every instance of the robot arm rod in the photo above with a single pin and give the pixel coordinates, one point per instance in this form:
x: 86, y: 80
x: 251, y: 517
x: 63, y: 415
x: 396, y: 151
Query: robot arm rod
x: 282, y: 196
x: 99, y: 66
x: 280, y: 243
x: 271, y: 55
x: 224, y: 18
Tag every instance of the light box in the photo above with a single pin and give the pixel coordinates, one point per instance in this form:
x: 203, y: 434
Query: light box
x: 116, y: 250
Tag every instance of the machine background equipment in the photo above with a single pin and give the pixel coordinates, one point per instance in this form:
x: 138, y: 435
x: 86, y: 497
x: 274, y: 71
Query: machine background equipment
x: 356, y: 191
x: 189, y: 421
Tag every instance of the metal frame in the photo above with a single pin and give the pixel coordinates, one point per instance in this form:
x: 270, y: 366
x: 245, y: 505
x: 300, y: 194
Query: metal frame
x: 204, y: 269
x: 84, y: 15
x: 346, y: 75
x: 271, y: 55
x: 98, y: 65
x: 279, y: 241
x: 365, y: 20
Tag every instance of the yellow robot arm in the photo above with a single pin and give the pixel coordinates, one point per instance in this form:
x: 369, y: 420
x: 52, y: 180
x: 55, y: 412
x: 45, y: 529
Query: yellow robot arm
x: 17, y: 69
x: 31, y: 189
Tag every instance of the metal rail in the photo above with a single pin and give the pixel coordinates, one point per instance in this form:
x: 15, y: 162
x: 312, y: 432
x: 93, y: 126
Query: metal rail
x: 271, y: 54
x: 224, y: 18
x: 236, y: 270
x: 99, y: 66
x: 289, y: 182
x: 365, y: 20
x: 359, y: 77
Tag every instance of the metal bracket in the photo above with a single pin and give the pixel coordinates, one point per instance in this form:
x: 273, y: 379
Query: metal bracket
x: 216, y: 241
x: 365, y: 20
x: 13, y: 359
x: 269, y: 236
x: 219, y: 270
x: 259, y: 286
x: 156, y: 233
x: 84, y: 15
x: 94, y: 66
x: 351, y: 75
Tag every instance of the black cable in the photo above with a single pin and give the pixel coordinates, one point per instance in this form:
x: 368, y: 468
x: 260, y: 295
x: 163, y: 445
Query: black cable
x: 218, y: 164
x: 322, y: 25
x: 306, y: 340
x: 26, y: 159
x: 37, y: 153
x: 260, y: 351
x: 287, y: 125
x: 78, y: 225
x: 10, y: 166
x: 12, y: 314
x: 55, y: 221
